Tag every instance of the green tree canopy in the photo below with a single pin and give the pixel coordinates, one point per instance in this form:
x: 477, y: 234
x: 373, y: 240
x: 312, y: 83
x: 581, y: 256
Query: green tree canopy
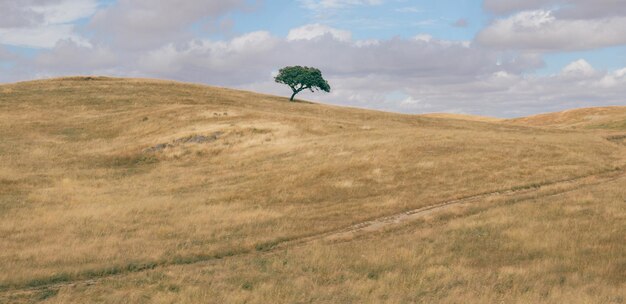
x: 300, y: 78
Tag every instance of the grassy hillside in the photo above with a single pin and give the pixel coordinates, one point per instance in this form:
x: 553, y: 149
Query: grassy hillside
x: 563, y: 248
x: 608, y: 118
x: 160, y: 182
x: 463, y: 117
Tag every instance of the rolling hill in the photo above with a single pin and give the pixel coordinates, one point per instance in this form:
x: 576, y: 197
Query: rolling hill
x: 462, y: 117
x: 608, y: 118
x: 134, y: 190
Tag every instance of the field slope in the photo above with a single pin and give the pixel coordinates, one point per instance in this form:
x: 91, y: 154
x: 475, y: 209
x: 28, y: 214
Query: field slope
x: 608, y: 118
x: 116, y: 190
x: 462, y: 117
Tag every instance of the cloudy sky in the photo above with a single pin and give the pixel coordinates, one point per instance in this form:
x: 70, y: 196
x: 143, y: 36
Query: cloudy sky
x: 502, y: 58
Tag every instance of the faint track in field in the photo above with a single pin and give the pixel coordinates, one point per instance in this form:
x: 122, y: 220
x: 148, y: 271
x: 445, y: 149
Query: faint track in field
x: 345, y: 233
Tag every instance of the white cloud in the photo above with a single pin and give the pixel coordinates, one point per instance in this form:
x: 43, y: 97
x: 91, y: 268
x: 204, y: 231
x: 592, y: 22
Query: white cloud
x: 423, y: 38
x: 578, y: 68
x: 69, y: 56
x: 146, y: 24
x: 41, y: 24
x: 615, y: 79
x: 426, y: 38
x: 367, y: 43
x: 569, y: 9
x: 312, y: 31
x: 541, y: 31
x: 40, y: 36
x: 409, y: 9
x: 65, y: 11
x: 216, y: 62
x: 530, y: 20
x: 334, y: 4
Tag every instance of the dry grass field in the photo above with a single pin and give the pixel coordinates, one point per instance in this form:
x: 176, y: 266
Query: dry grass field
x: 463, y: 117
x: 142, y: 191
x: 608, y: 118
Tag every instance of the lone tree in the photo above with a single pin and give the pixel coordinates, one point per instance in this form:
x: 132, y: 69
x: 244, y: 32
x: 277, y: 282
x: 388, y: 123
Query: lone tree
x: 302, y: 78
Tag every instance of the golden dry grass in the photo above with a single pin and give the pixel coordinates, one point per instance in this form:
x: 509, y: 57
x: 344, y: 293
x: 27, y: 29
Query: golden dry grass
x: 566, y: 248
x: 610, y: 118
x: 463, y: 117
x: 82, y: 197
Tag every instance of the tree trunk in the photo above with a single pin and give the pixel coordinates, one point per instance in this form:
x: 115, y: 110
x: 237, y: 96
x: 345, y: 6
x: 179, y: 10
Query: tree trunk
x: 293, y: 95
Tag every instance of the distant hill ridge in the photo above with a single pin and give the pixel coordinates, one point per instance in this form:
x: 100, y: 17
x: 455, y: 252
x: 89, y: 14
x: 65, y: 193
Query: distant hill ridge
x: 612, y: 118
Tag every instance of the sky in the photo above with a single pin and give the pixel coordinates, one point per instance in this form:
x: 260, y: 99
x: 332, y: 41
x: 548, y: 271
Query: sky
x: 504, y: 58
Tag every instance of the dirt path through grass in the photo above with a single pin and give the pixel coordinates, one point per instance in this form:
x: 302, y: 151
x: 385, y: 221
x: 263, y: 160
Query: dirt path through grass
x: 345, y: 234
x: 546, y: 190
